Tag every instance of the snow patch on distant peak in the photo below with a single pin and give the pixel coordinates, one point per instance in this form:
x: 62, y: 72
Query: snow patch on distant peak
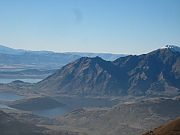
x: 172, y: 48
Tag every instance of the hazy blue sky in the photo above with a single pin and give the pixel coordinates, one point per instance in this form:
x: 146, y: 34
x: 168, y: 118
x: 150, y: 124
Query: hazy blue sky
x: 115, y: 26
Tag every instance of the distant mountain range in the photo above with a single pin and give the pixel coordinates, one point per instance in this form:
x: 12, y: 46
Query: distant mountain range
x: 19, y: 63
x: 106, y: 56
x: 153, y: 74
x: 25, y: 59
x: 44, y: 59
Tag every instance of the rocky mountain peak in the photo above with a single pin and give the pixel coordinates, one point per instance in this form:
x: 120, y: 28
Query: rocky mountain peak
x: 173, y: 48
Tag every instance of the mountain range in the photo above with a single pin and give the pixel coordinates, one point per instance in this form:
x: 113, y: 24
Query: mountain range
x: 44, y: 59
x: 106, y: 56
x: 19, y: 63
x: 156, y: 73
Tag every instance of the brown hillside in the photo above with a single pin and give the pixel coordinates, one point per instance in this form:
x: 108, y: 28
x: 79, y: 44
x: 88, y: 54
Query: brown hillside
x: 171, y: 128
x: 12, y: 126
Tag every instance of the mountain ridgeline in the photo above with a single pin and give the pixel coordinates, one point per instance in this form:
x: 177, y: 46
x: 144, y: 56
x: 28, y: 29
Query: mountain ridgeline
x: 153, y: 74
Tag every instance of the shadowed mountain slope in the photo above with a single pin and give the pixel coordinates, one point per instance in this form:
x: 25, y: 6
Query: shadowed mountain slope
x: 154, y: 74
x: 85, y: 76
